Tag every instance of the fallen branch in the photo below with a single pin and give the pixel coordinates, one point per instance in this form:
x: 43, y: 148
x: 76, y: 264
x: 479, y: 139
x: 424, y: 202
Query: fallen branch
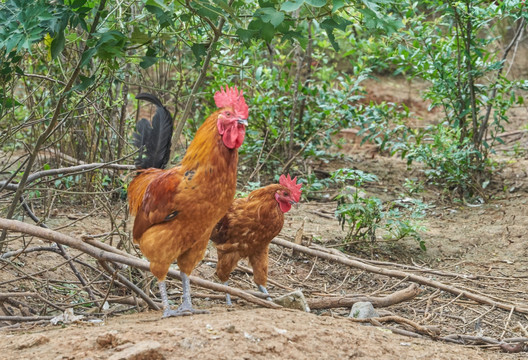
x: 15, y: 294
x: 25, y: 318
x: 67, y: 170
x: 99, y: 254
x: 401, y: 275
x: 395, y: 298
x: 400, y: 320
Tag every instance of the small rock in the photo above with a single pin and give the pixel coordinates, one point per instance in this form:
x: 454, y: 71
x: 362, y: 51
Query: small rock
x: 108, y: 340
x: 293, y: 300
x: 33, y: 340
x: 363, y: 310
x: 144, y: 350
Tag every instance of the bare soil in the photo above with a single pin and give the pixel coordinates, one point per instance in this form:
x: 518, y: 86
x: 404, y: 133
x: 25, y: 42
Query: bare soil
x: 484, y: 245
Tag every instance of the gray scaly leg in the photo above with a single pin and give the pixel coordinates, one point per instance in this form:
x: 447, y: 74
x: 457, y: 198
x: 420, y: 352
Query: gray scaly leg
x: 263, y: 290
x: 186, y: 306
x: 228, y: 296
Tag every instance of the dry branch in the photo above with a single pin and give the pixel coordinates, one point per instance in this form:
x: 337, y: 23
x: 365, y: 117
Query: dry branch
x: 15, y: 294
x: 25, y: 318
x: 100, y: 254
x: 397, y: 297
x: 402, y: 275
x: 400, y: 320
x: 67, y: 170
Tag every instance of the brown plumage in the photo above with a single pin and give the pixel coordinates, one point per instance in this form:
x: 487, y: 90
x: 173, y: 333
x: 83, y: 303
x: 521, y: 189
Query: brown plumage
x: 176, y: 209
x: 248, y: 227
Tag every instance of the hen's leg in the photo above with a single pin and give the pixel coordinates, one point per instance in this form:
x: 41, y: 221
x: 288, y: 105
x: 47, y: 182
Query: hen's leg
x: 259, y: 263
x: 228, y: 296
x: 186, y: 306
x: 265, y: 291
x: 226, y: 263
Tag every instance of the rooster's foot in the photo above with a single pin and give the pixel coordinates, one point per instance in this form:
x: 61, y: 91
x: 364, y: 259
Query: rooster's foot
x: 182, y: 311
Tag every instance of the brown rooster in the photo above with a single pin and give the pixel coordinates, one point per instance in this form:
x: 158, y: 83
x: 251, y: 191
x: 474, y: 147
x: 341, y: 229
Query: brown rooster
x: 248, y: 227
x: 176, y: 209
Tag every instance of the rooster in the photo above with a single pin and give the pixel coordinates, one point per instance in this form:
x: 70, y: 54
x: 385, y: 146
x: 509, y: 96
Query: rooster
x: 248, y: 227
x: 176, y: 209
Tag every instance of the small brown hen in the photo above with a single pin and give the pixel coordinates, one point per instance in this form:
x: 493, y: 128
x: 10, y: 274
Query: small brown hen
x: 248, y: 227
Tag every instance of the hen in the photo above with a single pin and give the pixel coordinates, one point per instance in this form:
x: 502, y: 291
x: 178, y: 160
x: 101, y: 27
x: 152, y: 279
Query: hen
x: 248, y: 227
x: 176, y: 209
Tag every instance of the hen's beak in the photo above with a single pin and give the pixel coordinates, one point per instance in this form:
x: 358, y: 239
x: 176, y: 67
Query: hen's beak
x: 295, y: 204
x: 242, y: 122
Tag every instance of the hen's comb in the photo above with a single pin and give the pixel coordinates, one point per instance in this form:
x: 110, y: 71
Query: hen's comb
x: 232, y: 97
x: 291, y: 184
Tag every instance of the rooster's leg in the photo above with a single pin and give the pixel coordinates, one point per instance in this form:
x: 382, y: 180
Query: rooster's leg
x: 228, y: 296
x: 186, y: 306
x: 265, y: 291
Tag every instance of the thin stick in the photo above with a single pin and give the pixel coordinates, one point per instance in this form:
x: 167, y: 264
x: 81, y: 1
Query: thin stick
x: 18, y: 226
x: 401, y: 275
x: 397, y: 297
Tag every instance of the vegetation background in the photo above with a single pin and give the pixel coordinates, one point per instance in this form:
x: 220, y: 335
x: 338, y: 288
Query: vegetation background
x: 69, y: 71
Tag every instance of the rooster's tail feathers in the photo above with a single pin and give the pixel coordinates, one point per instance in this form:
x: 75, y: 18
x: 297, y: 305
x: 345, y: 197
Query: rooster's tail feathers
x: 153, y: 139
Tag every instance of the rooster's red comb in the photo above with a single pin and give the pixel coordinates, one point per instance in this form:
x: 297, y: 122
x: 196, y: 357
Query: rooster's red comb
x: 292, y: 185
x: 232, y: 97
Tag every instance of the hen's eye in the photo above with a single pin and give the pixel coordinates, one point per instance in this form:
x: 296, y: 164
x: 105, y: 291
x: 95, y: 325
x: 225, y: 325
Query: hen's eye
x: 228, y: 113
x: 286, y: 194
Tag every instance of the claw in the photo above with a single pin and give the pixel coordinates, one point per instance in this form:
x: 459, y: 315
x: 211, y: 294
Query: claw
x: 185, y: 309
x: 182, y: 311
x: 265, y: 291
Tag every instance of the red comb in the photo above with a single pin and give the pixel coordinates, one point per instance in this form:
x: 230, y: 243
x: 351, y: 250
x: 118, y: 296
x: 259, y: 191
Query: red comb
x: 292, y: 185
x: 233, y: 98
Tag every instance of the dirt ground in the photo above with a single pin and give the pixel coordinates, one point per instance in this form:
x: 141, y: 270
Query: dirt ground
x: 480, y: 247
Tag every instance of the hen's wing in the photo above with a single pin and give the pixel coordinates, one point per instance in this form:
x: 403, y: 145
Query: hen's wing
x: 158, y: 202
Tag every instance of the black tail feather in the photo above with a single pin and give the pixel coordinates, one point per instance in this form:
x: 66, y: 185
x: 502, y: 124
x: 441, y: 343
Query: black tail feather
x: 153, y: 139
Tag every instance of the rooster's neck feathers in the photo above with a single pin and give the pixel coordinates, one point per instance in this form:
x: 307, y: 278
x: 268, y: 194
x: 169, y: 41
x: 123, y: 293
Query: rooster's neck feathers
x: 207, y: 147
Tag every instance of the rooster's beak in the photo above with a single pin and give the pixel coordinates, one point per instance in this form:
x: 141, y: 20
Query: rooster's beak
x: 243, y: 122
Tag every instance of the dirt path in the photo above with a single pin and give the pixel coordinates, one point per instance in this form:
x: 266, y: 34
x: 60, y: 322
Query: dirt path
x: 239, y: 334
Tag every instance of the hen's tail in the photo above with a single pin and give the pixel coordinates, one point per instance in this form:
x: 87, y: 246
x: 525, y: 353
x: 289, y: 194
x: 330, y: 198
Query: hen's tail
x: 153, y: 139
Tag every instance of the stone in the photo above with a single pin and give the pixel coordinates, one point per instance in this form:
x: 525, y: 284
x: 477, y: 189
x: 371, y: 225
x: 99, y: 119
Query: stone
x: 294, y: 300
x: 31, y: 341
x: 143, y: 350
x: 363, y: 310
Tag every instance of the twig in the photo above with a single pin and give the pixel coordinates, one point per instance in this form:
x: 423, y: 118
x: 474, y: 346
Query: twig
x: 15, y: 294
x: 18, y: 226
x: 397, y: 297
x: 25, y: 318
x: 507, y: 323
x: 401, y: 320
x: 130, y: 285
x: 400, y: 275
x: 67, y: 170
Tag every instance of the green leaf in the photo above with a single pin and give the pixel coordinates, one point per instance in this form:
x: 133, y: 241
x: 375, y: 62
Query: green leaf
x: 292, y: 5
x: 263, y: 30
x: 246, y: 35
x: 270, y: 15
x: 85, y: 83
x: 46, y: 167
x: 87, y: 56
x: 199, y: 51
x: 138, y: 37
x: 57, y: 44
x: 316, y: 3
x: 337, y: 4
